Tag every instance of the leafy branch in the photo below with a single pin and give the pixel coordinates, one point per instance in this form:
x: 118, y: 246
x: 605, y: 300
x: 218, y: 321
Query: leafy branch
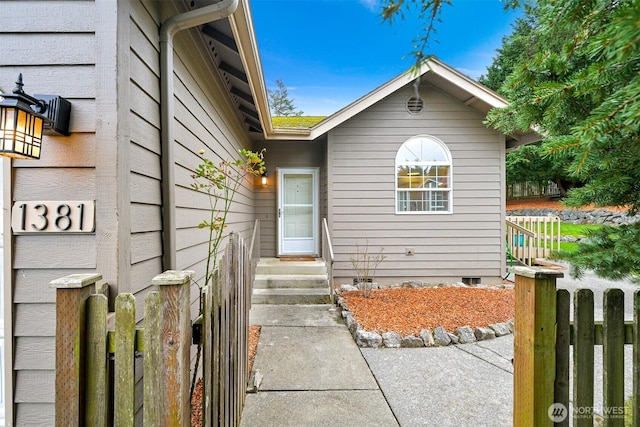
x: 221, y: 182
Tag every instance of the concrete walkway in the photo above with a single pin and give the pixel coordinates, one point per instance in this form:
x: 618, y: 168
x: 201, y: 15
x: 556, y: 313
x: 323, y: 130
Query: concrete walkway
x: 314, y: 374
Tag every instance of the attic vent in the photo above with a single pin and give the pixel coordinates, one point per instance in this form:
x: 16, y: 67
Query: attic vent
x: 415, y: 105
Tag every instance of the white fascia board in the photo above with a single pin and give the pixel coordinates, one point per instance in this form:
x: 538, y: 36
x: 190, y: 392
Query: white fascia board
x: 244, y: 35
x: 467, y: 84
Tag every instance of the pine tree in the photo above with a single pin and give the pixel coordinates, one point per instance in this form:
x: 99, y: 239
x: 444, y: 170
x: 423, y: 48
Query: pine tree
x: 584, y: 97
x: 280, y: 102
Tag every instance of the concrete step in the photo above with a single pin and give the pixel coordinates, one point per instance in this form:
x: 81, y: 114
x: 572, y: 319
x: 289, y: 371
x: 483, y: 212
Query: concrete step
x: 272, y: 281
x: 291, y: 296
x: 279, y: 267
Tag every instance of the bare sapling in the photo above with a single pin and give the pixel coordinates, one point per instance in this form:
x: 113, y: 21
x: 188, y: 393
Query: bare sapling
x: 365, y: 264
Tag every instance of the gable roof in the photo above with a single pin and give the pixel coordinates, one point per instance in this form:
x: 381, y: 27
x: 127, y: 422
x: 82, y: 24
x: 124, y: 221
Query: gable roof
x: 434, y: 71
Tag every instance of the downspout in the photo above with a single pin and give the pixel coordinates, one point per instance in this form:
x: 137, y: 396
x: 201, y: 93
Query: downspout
x: 168, y: 30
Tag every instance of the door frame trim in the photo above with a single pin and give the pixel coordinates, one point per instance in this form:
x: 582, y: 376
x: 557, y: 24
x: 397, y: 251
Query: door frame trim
x: 315, y: 172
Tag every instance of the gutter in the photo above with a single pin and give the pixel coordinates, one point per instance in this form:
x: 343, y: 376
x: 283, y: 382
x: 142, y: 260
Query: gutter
x: 168, y: 30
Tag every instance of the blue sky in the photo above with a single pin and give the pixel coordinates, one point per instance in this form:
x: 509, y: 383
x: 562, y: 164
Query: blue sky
x: 329, y: 53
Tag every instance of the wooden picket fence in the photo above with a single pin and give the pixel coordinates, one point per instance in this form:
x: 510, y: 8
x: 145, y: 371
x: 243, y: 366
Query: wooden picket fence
x: 94, y: 392
x: 542, y: 341
x: 525, y: 190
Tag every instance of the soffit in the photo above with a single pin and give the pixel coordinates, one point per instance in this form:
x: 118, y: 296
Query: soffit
x: 224, y: 55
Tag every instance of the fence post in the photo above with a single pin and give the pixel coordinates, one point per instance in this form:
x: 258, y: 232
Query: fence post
x: 534, y: 346
x: 175, y: 346
x: 71, y: 295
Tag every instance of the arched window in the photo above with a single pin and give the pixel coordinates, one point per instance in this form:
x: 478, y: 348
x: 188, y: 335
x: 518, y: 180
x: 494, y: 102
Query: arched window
x: 423, y: 176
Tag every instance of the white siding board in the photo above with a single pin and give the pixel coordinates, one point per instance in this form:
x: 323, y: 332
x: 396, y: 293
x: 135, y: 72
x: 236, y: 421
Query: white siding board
x: 37, y: 49
x: 55, y: 251
x: 66, y: 16
x: 145, y: 46
x: 145, y: 190
x: 355, y: 220
x: 35, y: 351
x: 188, y: 217
x: 384, y: 237
x: 190, y: 256
x: 144, y: 106
x: 36, y: 386
x: 145, y: 78
x: 47, y: 185
x: 145, y: 218
x: 76, y: 82
x: 77, y: 150
x: 145, y: 246
x: 35, y: 320
x: 143, y: 272
x: 83, y: 115
x: 145, y: 134
x: 190, y: 237
x: 32, y: 285
x: 35, y: 414
x: 145, y: 162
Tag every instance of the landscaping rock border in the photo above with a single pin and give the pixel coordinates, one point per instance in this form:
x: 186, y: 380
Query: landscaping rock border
x: 439, y: 337
x: 574, y: 216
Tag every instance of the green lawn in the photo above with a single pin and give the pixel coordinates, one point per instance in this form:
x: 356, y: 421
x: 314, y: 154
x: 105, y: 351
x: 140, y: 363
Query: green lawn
x: 575, y: 230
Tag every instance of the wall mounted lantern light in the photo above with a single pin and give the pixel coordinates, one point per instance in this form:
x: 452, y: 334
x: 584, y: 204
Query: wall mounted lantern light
x: 25, y: 118
x: 264, y: 177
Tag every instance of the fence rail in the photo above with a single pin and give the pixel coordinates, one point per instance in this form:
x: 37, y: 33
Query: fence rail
x: 531, y: 237
x: 84, y: 344
x: 525, y: 190
x: 542, y: 346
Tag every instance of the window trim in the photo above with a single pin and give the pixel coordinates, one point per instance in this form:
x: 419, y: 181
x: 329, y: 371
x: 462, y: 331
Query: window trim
x: 448, y: 163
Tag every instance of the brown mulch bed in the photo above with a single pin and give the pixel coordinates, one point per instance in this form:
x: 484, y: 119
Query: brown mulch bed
x: 544, y: 203
x: 254, y: 336
x: 196, y: 399
x: 407, y: 311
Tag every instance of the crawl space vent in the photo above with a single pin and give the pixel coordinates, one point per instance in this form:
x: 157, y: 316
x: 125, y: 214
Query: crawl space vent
x: 415, y: 105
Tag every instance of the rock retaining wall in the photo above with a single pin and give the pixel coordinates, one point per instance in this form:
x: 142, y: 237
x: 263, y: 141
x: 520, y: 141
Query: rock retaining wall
x: 594, y: 216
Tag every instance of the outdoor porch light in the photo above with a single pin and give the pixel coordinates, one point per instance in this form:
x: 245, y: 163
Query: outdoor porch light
x: 264, y: 177
x: 24, y: 119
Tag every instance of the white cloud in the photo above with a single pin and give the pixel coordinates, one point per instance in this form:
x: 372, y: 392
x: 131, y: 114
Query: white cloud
x: 371, y: 5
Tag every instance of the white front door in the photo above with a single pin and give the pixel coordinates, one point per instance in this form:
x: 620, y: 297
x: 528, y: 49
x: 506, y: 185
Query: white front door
x: 298, y: 211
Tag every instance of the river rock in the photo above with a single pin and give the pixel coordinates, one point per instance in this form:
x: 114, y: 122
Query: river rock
x: 500, y: 329
x: 411, y: 341
x: 484, y: 333
x: 427, y: 338
x: 441, y: 337
x: 465, y: 334
x: 391, y: 339
x: 368, y: 339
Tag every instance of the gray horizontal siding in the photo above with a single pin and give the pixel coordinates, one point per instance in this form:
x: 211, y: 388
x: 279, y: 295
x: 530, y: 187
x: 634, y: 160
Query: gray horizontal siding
x: 466, y: 243
x: 145, y: 178
x: 35, y: 351
x: 35, y: 415
x: 66, y: 16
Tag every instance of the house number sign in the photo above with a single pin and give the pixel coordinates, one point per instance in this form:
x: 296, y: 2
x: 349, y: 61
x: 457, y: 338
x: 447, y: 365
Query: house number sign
x: 53, y: 217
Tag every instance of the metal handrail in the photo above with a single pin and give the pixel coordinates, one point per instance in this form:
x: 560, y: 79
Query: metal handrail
x: 327, y: 257
x: 254, y: 250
